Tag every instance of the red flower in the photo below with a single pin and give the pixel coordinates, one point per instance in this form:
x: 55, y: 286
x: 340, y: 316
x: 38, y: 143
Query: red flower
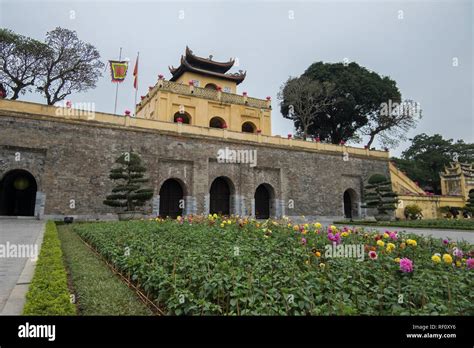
x: 179, y: 120
x: 259, y: 131
x: 191, y: 82
x: 269, y: 98
x: 289, y: 136
x: 244, y: 94
x: 160, y: 76
x: 127, y: 112
x: 224, y: 125
x: 219, y: 88
x: 142, y: 97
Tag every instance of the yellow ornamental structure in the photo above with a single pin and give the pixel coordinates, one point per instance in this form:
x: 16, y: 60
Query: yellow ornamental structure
x: 202, y: 93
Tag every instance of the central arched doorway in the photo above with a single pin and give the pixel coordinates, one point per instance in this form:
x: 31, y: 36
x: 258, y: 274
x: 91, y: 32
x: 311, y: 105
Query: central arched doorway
x: 263, y: 198
x: 171, y: 199
x: 18, y: 193
x: 220, y: 197
x: 350, y: 204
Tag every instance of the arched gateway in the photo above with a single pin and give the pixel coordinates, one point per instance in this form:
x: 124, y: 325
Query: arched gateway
x: 18, y: 193
x: 171, y: 199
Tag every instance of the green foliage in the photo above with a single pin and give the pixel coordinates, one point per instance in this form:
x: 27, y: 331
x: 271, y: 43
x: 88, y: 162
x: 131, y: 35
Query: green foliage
x: 378, y: 194
x: 413, y: 211
x: 240, y: 267
x: 356, y: 94
x: 128, y: 192
x: 98, y: 291
x: 428, y: 155
x: 22, y: 60
x: 470, y: 201
x: 48, y: 293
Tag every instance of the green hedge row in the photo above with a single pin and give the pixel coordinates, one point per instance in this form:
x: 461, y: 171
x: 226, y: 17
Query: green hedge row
x: 48, y: 293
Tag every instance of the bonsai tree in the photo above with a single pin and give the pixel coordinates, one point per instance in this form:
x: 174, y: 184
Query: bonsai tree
x: 470, y: 202
x: 128, y: 178
x: 378, y: 194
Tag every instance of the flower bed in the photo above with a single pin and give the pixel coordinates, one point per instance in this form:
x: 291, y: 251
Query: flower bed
x: 210, y: 265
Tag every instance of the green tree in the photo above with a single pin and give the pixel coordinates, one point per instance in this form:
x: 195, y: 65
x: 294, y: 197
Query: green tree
x: 21, y: 62
x: 470, y: 201
x: 358, y: 94
x: 378, y: 194
x: 428, y: 155
x: 71, y: 66
x: 128, y: 178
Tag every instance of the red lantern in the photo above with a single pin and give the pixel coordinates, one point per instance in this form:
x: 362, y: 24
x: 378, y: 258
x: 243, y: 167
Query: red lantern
x: 179, y: 120
x: 366, y: 147
x: 150, y: 88
x: 289, y: 136
x: 269, y: 98
x: 259, y: 131
x: 244, y: 94
x: 160, y: 77
x: 127, y: 112
x: 342, y: 142
x: 318, y: 139
x: 142, y: 97
x: 191, y: 82
x: 219, y: 88
x: 224, y: 125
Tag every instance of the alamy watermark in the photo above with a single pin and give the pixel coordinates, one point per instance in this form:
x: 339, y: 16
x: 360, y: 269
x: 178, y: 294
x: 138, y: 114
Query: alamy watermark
x: 345, y: 250
x: 76, y: 109
x: 9, y: 250
x: 237, y: 156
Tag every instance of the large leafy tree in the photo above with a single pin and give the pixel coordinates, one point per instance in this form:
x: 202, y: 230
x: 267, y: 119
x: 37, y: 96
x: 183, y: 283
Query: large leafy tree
x: 71, y: 66
x: 302, y: 98
x: 428, y: 155
x: 21, y: 62
x: 128, y: 176
x: 359, y: 93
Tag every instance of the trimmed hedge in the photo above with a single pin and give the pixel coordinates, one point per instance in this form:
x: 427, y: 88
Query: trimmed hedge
x: 48, y: 293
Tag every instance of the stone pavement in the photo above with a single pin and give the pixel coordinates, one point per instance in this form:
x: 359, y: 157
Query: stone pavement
x: 16, y: 272
x: 457, y: 235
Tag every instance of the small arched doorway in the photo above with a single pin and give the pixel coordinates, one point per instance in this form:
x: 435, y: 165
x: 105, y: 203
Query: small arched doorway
x: 171, y: 199
x: 211, y: 86
x: 263, y: 201
x: 217, y: 122
x: 219, y: 200
x: 248, y: 127
x: 184, y: 117
x: 350, y: 204
x: 18, y: 193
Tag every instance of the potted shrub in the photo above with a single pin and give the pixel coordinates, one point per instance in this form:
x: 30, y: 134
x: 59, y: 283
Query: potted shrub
x: 413, y: 212
x: 128, y: 192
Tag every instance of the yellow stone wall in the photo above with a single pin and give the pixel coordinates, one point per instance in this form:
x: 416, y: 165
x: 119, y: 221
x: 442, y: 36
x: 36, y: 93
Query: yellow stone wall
x: 409, y: 193
x: 204, y: 80
x: 202, y: 104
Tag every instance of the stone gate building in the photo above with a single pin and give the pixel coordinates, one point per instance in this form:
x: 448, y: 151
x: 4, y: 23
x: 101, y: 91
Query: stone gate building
x: 207, y: 149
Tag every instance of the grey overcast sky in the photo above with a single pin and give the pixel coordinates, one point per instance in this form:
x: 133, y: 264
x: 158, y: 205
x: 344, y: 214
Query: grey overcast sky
x: 413, y: 42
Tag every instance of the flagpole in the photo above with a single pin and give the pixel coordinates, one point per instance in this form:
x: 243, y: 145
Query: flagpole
x: 116, y: 89
x: 136, y: 79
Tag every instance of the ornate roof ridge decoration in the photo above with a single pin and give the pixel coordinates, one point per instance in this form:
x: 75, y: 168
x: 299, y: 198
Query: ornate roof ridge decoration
x: 192, y: 63
x: 458, y: 168
x: 224, y: 66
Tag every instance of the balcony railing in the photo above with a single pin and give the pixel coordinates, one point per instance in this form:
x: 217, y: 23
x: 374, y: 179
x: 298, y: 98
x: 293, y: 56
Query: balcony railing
x: 205, y: 93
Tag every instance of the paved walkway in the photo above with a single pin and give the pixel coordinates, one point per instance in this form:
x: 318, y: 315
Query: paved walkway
x: 457, y: 235
x: 16, y: 272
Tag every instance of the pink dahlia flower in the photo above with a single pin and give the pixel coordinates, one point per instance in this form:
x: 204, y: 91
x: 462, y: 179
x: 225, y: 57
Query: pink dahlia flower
x: 406, y: 265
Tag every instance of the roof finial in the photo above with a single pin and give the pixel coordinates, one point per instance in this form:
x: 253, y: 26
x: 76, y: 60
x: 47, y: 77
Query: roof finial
x: 210, y: 56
